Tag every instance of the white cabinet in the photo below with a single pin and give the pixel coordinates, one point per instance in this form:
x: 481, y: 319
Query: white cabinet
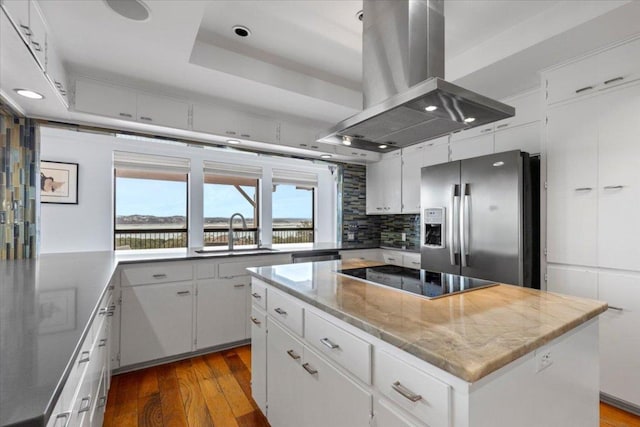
x: 572, y: 281
x: 162, y: 111
x: 18, y: 12
x: 363, y: 254
x: 619, y: 179
x: 384, y: 185
x: 388, y: 415
x: 412, y: 161
x: 619, y: 338
x: 475, y: 146
x: 524, y: 138
x: 572, y: 162
x: 411, y: 260
x: 436, y: 151
x: 392, y: 257
x: 259, y: 358
x: 38, y: 37
x: 56, y: 72
x: 105, y: 100
x: 157, y: 321
x: 221, y: 312
x: 234, y: 124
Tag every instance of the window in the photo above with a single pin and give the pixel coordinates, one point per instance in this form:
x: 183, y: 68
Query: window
x: 293, y: 202
x: 230, y: 189
x: 150, y: 202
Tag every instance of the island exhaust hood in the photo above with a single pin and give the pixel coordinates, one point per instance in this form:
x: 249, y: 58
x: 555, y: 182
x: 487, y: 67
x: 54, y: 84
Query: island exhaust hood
x: 406, y: 100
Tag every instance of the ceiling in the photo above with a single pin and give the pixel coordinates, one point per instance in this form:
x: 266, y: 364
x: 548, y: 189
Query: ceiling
x: 303, y: 59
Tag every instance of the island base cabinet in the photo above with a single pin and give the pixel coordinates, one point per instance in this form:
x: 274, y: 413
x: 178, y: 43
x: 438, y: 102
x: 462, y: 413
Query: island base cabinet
x: 619, y: 337
x: 259, y: 358
x: 305, y: 390
x: 159, y: 321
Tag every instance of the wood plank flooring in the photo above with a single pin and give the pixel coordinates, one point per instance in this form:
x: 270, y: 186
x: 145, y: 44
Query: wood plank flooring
x: 215, y: 390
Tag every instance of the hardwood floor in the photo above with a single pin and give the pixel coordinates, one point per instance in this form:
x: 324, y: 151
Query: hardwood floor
x: 215, y: 390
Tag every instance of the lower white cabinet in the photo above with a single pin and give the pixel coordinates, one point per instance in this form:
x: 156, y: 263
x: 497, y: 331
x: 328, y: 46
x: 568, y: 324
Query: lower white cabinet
x: 619, y: 337
x: 387, y: 415
x: 157, y: 321
x: 259, y: 358
x: 221, y: 309
x: 305, y: 390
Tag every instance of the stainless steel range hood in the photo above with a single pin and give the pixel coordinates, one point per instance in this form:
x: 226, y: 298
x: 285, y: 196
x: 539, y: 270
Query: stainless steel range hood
x: 406, y: 100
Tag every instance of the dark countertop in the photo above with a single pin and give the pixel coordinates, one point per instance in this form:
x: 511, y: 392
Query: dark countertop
x: 37, y: 343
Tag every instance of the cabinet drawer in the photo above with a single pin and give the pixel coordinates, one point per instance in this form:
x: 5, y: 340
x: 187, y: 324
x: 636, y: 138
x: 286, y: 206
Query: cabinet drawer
x: 229, y: 270
x: 349, y: 351
x: 157, y: 273
x: 413, y: 390
x: 411, y: 260
x: 286, y: 310
x: 387, y: 414
x: 394, y: 258
x: 259, y: 294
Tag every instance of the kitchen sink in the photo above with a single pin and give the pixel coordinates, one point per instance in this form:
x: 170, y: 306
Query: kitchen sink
x: 245, y: 251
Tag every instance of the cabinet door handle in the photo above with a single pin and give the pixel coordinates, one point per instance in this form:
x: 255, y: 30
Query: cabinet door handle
x: 405, y: 392
x: 239, y: 285
x: 378, y: 209
x: 36, y: 46
x: 584, y: 89
x: 485, y: 130
x: 584, y: 189
x: 125, y: 115
x: 615, y: 79
x: 181, y: 293
x: 159, y: 276
x: 66, y: 416
x: 102, y: 311
x: 611, y: 307
x: 391, y: 259
x: 327, y: 342
x: 256, y: 295
x: 85, y: 404
x: 102, y: 401
x: 148, y: 119
x: 102, y: 342
x: 26, y: 30
x: 503, y: 125
x: 613, y: 187
x: 293, y: 354
x: 415, y: 263
x: 309, y: 369
x: 84, y: 357
x: 254, y: 320
x: 280, y: 311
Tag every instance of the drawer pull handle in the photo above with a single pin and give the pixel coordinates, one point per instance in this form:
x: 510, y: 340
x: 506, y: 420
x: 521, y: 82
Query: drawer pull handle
x: 293, y: 354
x: 102, y: 401
x: 239, y: 285
x: 103, y: 311
x: 486, y: 130
x: 181, y: 293
x: 256, y: 321
x: 415, y: 263
x: 66, y: 416
x: 584, y: 189
x: 280, y: 311
x: 615, y: 79
x: 611, y: 307
x: 256, y: 295
x: 148, y: 119
x: 125, y: 115
x: 327, y: 342
x: 391, y: 259
x: 504, y: 125
x: 309, y: 369
x: 159, y: 276
x: 103, y: 342
x: 613, y: 187
x: 36, y: 46
x: 84, y: 357
x: 85, y: 404
x: 27, y: 30
x: 405, y: 392
x: 584, y: 88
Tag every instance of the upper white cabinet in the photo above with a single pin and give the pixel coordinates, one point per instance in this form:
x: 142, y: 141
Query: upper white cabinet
x: 233, y: 124
x: 527, y: 107
x: 479, y: 145
x: 384, y: 185
x: 572, y: 164
x: 162, y: 111
x: 123, y: 103
x: 594, y: 73
x: 18, y: 12
x: 525, y: 138
x: 38, y: 37
x: 436, y: 151
x: 412, y: 160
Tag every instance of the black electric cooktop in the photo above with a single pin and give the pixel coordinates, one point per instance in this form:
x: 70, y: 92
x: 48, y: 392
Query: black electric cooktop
x: 428, y: 284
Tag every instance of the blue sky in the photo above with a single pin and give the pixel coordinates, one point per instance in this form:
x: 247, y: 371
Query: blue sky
x: 167, y: 198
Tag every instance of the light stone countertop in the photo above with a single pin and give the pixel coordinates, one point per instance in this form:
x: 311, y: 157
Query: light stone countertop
x: 468, y: 335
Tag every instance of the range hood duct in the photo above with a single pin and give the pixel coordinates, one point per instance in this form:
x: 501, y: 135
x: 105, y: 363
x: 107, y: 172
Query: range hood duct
x: 403, y: 71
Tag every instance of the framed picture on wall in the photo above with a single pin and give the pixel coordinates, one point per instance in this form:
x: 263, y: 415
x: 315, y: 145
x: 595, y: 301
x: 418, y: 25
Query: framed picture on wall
x: 58, y: 182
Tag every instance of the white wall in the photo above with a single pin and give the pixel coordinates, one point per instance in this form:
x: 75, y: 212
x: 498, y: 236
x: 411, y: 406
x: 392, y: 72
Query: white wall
x: 88, y: 226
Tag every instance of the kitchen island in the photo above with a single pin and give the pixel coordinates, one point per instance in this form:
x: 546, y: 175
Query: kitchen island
x: 498, y: 356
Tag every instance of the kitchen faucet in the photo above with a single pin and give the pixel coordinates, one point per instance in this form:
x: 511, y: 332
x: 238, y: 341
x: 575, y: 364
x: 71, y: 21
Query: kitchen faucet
x: 230, y: 236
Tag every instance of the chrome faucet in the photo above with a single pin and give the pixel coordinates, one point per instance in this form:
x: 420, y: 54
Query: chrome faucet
x: 230, y: 236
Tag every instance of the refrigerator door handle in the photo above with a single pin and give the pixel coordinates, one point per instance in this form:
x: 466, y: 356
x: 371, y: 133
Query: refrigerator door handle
x: 464, y: 232
x: 453, y: 209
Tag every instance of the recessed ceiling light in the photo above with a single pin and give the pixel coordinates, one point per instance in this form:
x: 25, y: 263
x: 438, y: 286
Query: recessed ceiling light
x: 431, y: 108
x: 325, y: 156
x: 241, y: 31
x: 233, y: 141
x: 346, y: 140
x: 29, y: 94
x: 359, y: 15
x: 135, y: 10
x: 382, y: 147
x: 470, y: 119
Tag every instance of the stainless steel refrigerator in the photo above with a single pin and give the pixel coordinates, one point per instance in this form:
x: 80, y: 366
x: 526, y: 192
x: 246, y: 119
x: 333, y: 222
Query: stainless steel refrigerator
x: 478, y: 218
